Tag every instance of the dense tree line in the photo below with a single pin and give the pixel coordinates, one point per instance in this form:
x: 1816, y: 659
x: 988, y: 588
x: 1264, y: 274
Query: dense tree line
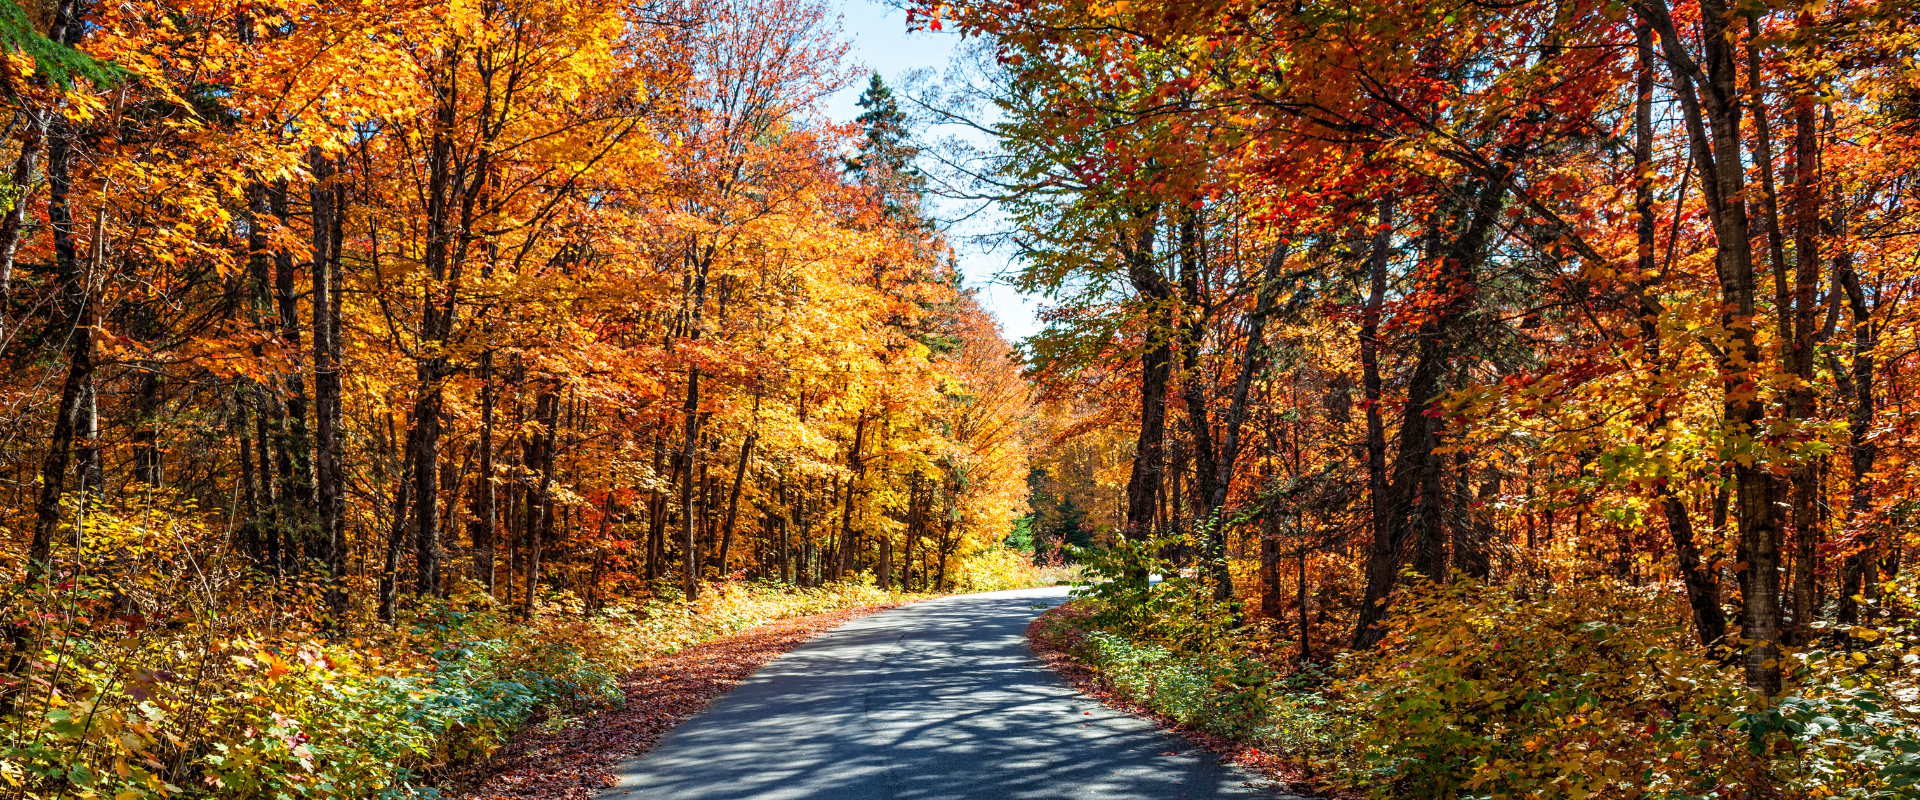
x: 1536, y: 292
x: 541, y: 298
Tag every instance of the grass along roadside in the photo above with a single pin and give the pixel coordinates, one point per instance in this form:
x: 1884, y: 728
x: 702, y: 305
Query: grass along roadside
x: 572, y: 758
x: 1151, y: 684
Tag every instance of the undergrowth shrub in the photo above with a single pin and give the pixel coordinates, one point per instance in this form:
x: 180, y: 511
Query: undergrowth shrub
x: 1591, y: 690
x: 1597, y: 689
x: 998, y: 567
x: 1489, y: 692
x: 1170, y: 647
x: 151, y: 677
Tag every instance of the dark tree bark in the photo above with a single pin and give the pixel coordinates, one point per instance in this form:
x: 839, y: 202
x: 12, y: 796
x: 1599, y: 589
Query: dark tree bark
x: 539, y: 449
x: 297, y: 518
x: 269, y: 500
x: 77, y: 304
x: 396, y: 535
x: 786, y: 544
x: 1858, y: 571
x: 437, y: 310
x: 1470, y: 546
x: 26, y: 173
x: 657, y: 513
x: 53, y: 471
x: 1416, y: 504
x: 733, y: 500
x: 1803, y: 482
x: 1272, y: 597
x: 916, y: 517
x: 1195, y: 310
x: 486, y: 523
x: 1703, y: 591
x: 1710, y: 100
x: 690, y: 455
x: 146, y: 434
x: 1156, y: 367
x: 803, y: 575
x: 1230, y: 429
x: 249, y: 494
x: 326, y: 388
x: 1382, y: 556
x: 845, y: 562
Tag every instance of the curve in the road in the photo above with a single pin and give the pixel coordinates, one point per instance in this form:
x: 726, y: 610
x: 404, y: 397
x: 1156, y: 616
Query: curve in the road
x: 940, y: 700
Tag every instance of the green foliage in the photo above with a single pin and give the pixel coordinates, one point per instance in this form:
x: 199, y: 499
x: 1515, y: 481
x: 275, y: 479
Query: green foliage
x: 1059, y: 525
x: 293, y: 718
x: 1179, y: 612
x: 52, y: 60
x: 1020, y: 537
x: 1172, y: 648
x: 1848, y: 719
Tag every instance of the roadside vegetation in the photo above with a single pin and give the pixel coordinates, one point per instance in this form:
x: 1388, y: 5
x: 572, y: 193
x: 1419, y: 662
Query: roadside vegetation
x: 1505, y: 691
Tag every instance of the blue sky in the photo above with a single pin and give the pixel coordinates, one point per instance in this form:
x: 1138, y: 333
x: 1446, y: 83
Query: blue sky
x: 881, y: 43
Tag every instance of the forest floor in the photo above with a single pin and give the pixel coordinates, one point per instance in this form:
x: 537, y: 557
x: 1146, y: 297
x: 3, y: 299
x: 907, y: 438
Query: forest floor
x: 572, y: 758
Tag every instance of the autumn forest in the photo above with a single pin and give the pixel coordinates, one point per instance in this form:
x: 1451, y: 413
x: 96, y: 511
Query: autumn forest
x: 1431, y: 399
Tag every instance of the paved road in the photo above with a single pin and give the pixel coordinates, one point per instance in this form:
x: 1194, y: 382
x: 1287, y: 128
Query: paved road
x: 935, y: 701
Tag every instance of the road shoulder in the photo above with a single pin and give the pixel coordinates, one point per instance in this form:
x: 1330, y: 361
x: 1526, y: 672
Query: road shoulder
x: 578, y: 760
x: 1052, y: 637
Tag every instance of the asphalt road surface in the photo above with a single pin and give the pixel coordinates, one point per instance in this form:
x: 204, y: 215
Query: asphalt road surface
x: 934, y: 701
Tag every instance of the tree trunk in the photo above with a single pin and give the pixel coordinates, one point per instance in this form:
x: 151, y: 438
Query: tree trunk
x: 733, y: 500
x: 1306, y: 633
x: 1712, y: 117
x: 1382, y: 556
x: 914, y: 517
x: 803, y: 575
x: 326, y: 390
x: 1271, y: 597
x: 53, y: 471
x: 26, y: 173
x: 540, y: 502
x: 1800, y: 398
x: 1230, y: 443
x: 249, y: 495
x: 1858, y: 571
x: 269, y: 489
x: 1416, y: 498
x: 486, y: 523
x: 146, y: 433
x: 1156, y: 367
x: 845, y: 563
x: 1703, y: 591
x: 298, y: 517
x: 397, y: 535
x: 437, y: 309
